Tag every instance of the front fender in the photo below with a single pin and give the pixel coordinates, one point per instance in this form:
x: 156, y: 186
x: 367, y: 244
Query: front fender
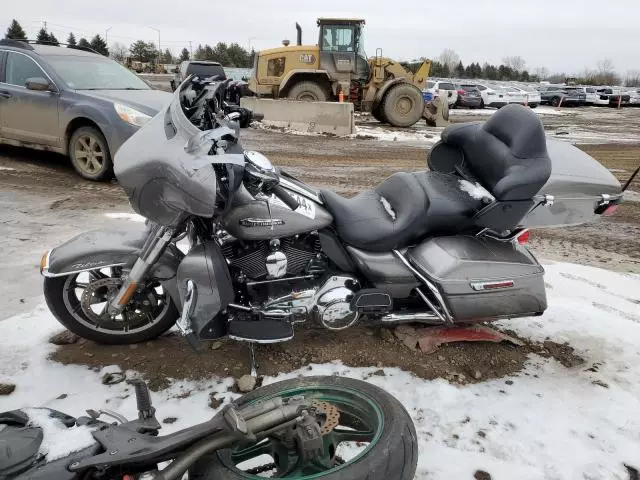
x: 108, y: 248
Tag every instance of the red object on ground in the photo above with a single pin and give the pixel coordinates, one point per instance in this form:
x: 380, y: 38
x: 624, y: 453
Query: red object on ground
x: 429, y: 339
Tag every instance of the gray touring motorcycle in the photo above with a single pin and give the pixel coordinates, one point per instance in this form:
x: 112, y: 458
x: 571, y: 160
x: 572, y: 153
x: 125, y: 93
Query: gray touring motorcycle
x: 265, y: 251
x: 327, y: 428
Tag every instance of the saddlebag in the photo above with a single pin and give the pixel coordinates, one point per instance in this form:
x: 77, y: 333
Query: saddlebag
x: 482, y: 278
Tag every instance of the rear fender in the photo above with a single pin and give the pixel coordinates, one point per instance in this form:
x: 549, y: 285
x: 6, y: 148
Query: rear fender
x: 292, y: 77
x: 384, y: 88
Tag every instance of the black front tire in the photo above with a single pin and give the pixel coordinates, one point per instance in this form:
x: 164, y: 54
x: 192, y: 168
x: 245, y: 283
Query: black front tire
x: 403, y: 105
x: 394, y: 456
x: 54, y: 291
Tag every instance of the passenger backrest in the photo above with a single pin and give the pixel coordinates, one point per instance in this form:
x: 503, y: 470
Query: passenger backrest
x: 507, y: 154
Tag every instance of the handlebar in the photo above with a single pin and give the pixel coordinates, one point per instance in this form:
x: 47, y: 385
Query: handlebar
x: 283, y: 195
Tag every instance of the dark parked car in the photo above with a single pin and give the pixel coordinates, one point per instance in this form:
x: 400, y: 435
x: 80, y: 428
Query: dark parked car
x: 563, y: 95
x: 71, y: 101
x: 202, y: 69
x: 469, y: 97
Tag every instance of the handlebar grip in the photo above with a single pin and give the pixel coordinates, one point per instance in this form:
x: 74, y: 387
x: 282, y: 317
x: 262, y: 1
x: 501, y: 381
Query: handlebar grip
x: 283, y: 195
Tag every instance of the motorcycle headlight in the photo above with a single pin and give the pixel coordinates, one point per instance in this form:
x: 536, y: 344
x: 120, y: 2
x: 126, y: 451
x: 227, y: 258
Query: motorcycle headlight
x: 131, y: 115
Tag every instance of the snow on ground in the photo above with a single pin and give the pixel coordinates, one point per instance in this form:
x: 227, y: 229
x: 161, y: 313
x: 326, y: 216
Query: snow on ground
x: 134, y: 217
x: 548, y: 422
x: 381, y: 132
x: 540, y: 110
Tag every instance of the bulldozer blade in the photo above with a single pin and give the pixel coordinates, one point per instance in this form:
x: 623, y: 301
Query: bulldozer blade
x: 436, y: 113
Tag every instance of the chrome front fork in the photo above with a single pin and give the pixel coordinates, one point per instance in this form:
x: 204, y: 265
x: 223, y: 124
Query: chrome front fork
x: 157, y: 241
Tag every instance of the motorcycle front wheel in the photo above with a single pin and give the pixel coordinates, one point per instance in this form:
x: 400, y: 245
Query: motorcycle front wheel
x: 375, y: 438
x: 78, y: 302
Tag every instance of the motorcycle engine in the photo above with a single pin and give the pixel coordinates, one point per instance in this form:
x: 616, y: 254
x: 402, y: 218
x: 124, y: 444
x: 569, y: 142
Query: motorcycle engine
x: 265, y: 260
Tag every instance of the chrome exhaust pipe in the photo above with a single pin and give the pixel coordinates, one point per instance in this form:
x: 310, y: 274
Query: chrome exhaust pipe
x: 422, y: 317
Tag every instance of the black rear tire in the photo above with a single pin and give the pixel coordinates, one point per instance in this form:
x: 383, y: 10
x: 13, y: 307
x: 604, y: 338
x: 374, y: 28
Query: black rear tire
x: 403, y: 105
x: 54, y: 291
x: 308, y: 92
x: 394, y: 456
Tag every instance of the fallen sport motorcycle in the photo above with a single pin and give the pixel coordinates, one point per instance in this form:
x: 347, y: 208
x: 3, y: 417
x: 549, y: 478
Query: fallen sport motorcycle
x: 266, y: 251
x: 328, y: 428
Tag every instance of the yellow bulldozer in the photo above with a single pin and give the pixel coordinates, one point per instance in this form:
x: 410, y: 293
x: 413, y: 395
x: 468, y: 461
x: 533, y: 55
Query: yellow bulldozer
x: 338, y: 68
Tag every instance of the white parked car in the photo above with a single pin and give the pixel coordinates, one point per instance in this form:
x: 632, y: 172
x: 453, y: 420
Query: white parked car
x: 634, y: 97
x: 496, y: 96
x: 532, y: 96
x: 444, y: 89
x: 592, y: 95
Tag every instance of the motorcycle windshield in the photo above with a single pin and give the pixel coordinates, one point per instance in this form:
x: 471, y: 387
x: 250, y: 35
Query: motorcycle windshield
x: 166, y: 167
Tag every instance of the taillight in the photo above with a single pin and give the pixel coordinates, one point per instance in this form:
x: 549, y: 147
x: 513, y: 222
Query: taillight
x: 610, y: 210
x: 523, y: 237
x: 461, y: 92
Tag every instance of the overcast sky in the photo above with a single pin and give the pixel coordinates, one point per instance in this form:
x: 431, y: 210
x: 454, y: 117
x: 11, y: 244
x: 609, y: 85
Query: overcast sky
x: 562, y: 35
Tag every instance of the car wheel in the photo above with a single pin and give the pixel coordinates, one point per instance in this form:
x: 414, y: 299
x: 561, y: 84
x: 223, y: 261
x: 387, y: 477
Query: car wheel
x: 90, y: 154
x: 555, y: 101
x: 481, y: 103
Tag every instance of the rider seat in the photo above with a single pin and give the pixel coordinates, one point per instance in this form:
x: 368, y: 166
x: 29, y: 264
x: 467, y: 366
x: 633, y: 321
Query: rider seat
x: 486, y: 175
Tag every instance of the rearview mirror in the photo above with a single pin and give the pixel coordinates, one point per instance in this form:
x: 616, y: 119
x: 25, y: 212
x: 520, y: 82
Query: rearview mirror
x: 38, y: 83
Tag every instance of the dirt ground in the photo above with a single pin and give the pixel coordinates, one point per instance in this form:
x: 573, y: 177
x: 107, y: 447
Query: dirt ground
x: 43, y: 202
x: 171, y: 357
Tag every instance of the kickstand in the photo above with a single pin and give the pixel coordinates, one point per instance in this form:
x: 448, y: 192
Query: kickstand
x: 252, y: 360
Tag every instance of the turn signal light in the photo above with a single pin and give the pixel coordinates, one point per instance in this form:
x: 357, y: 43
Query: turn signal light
x: 43, y: 261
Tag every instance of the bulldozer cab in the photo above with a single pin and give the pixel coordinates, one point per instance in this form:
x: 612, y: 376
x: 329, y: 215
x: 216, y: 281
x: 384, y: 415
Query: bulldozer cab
x: 342, y: 48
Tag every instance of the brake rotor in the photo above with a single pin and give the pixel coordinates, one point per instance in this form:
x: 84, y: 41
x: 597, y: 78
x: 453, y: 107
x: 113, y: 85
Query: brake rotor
x: 331, y: 414
x: 98, y: 291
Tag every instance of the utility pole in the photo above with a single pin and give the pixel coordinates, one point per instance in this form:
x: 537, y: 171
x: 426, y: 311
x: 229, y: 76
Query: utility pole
x: 106, y: 35
x: 190, y: 51
x: 159, y: 48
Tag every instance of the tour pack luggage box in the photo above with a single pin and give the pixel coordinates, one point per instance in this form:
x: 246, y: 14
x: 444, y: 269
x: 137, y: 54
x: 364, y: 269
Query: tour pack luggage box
x: 480, y: 277
x: 579, y: 190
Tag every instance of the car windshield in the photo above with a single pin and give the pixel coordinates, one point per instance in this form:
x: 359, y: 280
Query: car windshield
x: 94, y: 73
x: 205, y: 70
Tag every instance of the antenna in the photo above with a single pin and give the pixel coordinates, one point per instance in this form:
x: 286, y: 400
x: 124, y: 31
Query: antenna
x: 626, y: 185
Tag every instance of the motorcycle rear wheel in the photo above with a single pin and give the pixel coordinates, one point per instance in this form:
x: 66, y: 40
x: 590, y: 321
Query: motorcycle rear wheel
x: 368, y: 415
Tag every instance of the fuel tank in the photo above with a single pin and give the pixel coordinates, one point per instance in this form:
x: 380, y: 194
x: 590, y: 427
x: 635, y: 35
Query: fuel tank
x: 249, y: 219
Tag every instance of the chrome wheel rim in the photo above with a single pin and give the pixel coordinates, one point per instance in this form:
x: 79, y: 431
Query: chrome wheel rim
x: 89, y: 154
x: 136, y: 318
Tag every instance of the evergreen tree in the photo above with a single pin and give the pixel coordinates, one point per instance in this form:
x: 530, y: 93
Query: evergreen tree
x: 184, y: 55
x: 99, y: 45
x: 42, y: 37
x: 82, y: 43
x: 53, y: 40
x: 459, y: 70
x: 71, y: 40
x: 15, y: 31
x: 167, y: 56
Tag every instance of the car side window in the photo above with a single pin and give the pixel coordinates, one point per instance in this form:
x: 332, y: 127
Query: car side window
x: 482, y: 88
x: 19, y: 68
x: 446, y: 86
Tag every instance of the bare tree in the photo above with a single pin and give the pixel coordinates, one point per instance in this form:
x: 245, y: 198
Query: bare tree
x: 541, y: 72
x: 632, y: 79
x: 515, y: 62
x: 449, y: 58
x: 606, y: 72
x: 119, y: 52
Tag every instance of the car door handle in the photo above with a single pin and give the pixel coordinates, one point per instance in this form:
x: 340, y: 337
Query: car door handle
x: 5, y: 94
